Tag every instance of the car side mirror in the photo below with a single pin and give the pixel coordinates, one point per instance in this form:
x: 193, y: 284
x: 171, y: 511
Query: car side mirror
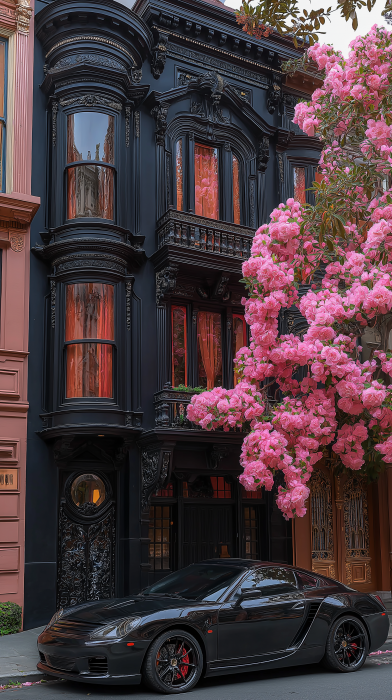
x: 249, y: 594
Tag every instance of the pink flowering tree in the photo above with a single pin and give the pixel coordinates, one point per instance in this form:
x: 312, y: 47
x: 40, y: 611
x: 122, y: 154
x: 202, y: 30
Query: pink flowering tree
x: 343, y: 403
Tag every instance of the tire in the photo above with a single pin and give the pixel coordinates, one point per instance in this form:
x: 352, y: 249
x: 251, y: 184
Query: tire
x: 162, y: 670
x: 347, y: 645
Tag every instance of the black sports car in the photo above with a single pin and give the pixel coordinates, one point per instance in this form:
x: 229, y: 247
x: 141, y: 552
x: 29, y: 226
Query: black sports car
x: 216, y: 617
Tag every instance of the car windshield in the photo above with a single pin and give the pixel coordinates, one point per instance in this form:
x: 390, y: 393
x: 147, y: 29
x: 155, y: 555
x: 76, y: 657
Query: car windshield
x: 197, y: 582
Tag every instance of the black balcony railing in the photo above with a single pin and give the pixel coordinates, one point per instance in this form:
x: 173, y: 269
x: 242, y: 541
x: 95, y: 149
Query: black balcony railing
x: 200, y: 233
x: 170, y: 409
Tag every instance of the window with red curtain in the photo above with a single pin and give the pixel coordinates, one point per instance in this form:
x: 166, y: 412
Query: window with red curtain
x: 179, y: 346
x: 239, y: 338
x: 236, y: 191
x: 206, y: 181
x: 179, y: 176
x: 89, y: 321
x: 90, y: 183
x: 209, y: 349
x: 299, y: 185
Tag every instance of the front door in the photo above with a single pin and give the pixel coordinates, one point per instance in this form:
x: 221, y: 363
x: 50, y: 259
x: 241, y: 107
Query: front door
x: 208, y: 532
x: 251, y: 628
x: 86, y: 540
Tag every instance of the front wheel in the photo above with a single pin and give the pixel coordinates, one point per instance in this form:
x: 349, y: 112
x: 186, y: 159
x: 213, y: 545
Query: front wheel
x: 173, y: 663
x: 347, y: 645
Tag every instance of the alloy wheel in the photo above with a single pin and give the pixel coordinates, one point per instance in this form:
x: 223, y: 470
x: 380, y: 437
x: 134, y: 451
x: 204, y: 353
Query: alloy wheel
x: 177, y: 662
x: 349, y: 644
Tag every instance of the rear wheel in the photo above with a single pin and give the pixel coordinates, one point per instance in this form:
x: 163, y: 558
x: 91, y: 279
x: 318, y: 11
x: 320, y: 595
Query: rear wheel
x: 347, y: 645
x: 174, y: 662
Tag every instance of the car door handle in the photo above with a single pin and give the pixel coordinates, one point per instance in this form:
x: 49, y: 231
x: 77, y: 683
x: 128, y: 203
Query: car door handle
x: 298, y: 606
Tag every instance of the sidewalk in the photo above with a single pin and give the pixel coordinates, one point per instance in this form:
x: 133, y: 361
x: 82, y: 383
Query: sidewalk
x: 19, y: 657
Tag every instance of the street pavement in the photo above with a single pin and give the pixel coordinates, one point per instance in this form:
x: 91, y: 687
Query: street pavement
x: 373, y: 682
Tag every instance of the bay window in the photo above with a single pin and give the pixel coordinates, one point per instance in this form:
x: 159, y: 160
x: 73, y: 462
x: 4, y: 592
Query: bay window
x: 89, y: 339
x: 90, y: 165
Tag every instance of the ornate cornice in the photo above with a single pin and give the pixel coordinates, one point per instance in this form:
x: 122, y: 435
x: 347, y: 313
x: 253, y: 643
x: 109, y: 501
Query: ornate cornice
x: 18, y: 208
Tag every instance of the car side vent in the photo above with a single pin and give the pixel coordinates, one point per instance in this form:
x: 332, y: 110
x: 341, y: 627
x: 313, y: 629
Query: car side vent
x: 98, y: 665
x: 303, y: 630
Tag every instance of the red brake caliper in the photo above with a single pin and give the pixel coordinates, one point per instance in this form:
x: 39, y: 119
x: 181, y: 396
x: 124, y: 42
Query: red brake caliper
x: 183, y: 665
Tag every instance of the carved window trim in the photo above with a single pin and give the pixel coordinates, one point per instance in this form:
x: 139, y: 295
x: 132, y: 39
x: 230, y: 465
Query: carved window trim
x: 322, y: 516
x: 356, y: 519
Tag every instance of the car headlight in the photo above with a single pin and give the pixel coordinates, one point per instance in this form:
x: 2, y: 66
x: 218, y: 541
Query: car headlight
x: 116, y: 630
x: 55, y: 618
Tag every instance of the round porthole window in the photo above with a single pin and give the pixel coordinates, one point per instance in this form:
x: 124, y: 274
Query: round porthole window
x: 88, y: 488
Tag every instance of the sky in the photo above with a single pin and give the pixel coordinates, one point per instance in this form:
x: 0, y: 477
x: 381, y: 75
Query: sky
x: 338, y: 32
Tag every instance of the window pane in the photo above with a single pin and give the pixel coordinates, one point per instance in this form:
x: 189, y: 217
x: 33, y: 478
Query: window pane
x: 179, y: 346
x: 238, y: 338
x: 236, y: 191
x: 179, y: 176
x: 90, y: 192
x: 209, y: 349
x: 251, y: 543
x: 89, y: 370
x: 89, y: 311
x: 299, y: 185
x: 160, y: 540
x: 88, y: 488
x: 90, y: 136
x: 206, y: 181
x: 271, y: 576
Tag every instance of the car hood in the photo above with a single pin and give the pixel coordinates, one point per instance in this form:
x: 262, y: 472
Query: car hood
x: 105, y: 611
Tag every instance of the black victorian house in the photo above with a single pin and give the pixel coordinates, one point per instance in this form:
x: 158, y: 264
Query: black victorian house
x: 162, y: 139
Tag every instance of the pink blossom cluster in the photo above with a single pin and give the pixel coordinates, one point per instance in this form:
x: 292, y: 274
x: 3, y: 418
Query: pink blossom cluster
x: 349, y: 444
x: 324, y: 392
x: 229, y: 408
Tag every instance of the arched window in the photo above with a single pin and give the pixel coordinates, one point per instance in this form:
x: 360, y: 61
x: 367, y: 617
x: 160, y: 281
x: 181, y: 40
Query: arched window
x: 90, y: 165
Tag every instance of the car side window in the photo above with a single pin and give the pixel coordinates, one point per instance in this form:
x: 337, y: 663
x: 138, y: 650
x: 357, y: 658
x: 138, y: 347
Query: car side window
x: 269, y: 580
x: 307, y: 581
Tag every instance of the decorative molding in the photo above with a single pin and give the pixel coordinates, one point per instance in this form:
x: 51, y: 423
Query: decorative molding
x: 127, y: 125
x: 23, y: 13
x: 94, y: 260
x: 55, y: 109
x: 90, y: 37
x: 159, y: 55
x: 166, y: 281
x: 17, y: 241
x: 150, y: 467
x: 196, y: 58
x: 263, y: 154
x: 252, y: 203
x: 136, y: 75
x: 273, y: 97
x: 159, y: 112
x: 136, y: 117
x: 53, y: 303
x: 280, y: 167
x: 87, y: 59
x: 90, y: 100
x: 128, y: 296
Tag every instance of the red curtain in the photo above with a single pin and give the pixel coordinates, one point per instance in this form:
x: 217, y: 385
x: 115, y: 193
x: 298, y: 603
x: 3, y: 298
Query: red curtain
x: 179, y: 176
x: 209, y: 336
x: 299, y: 185
x: 179, y: 346
x: 89, y: 314
x: 236, y: 191
x: 206, y: 181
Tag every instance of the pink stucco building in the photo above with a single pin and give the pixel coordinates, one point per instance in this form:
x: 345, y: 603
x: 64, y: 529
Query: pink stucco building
x: 17, y: 208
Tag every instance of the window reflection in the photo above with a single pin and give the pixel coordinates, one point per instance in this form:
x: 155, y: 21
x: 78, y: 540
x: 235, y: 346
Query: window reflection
x: 236, y: 191
x: 239, y: 339
x: 206, y: 181
x: 299, y: 185
x: 179, y: 176
x: 89, y: 315
x: 88, y: 488
x: 90, y: 187
x: 179, y: 346
x: 159, y: 535
x: 209, y: 349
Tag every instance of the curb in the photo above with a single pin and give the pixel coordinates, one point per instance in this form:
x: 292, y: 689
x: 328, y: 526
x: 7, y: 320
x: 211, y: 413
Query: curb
x: 22, y: 677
